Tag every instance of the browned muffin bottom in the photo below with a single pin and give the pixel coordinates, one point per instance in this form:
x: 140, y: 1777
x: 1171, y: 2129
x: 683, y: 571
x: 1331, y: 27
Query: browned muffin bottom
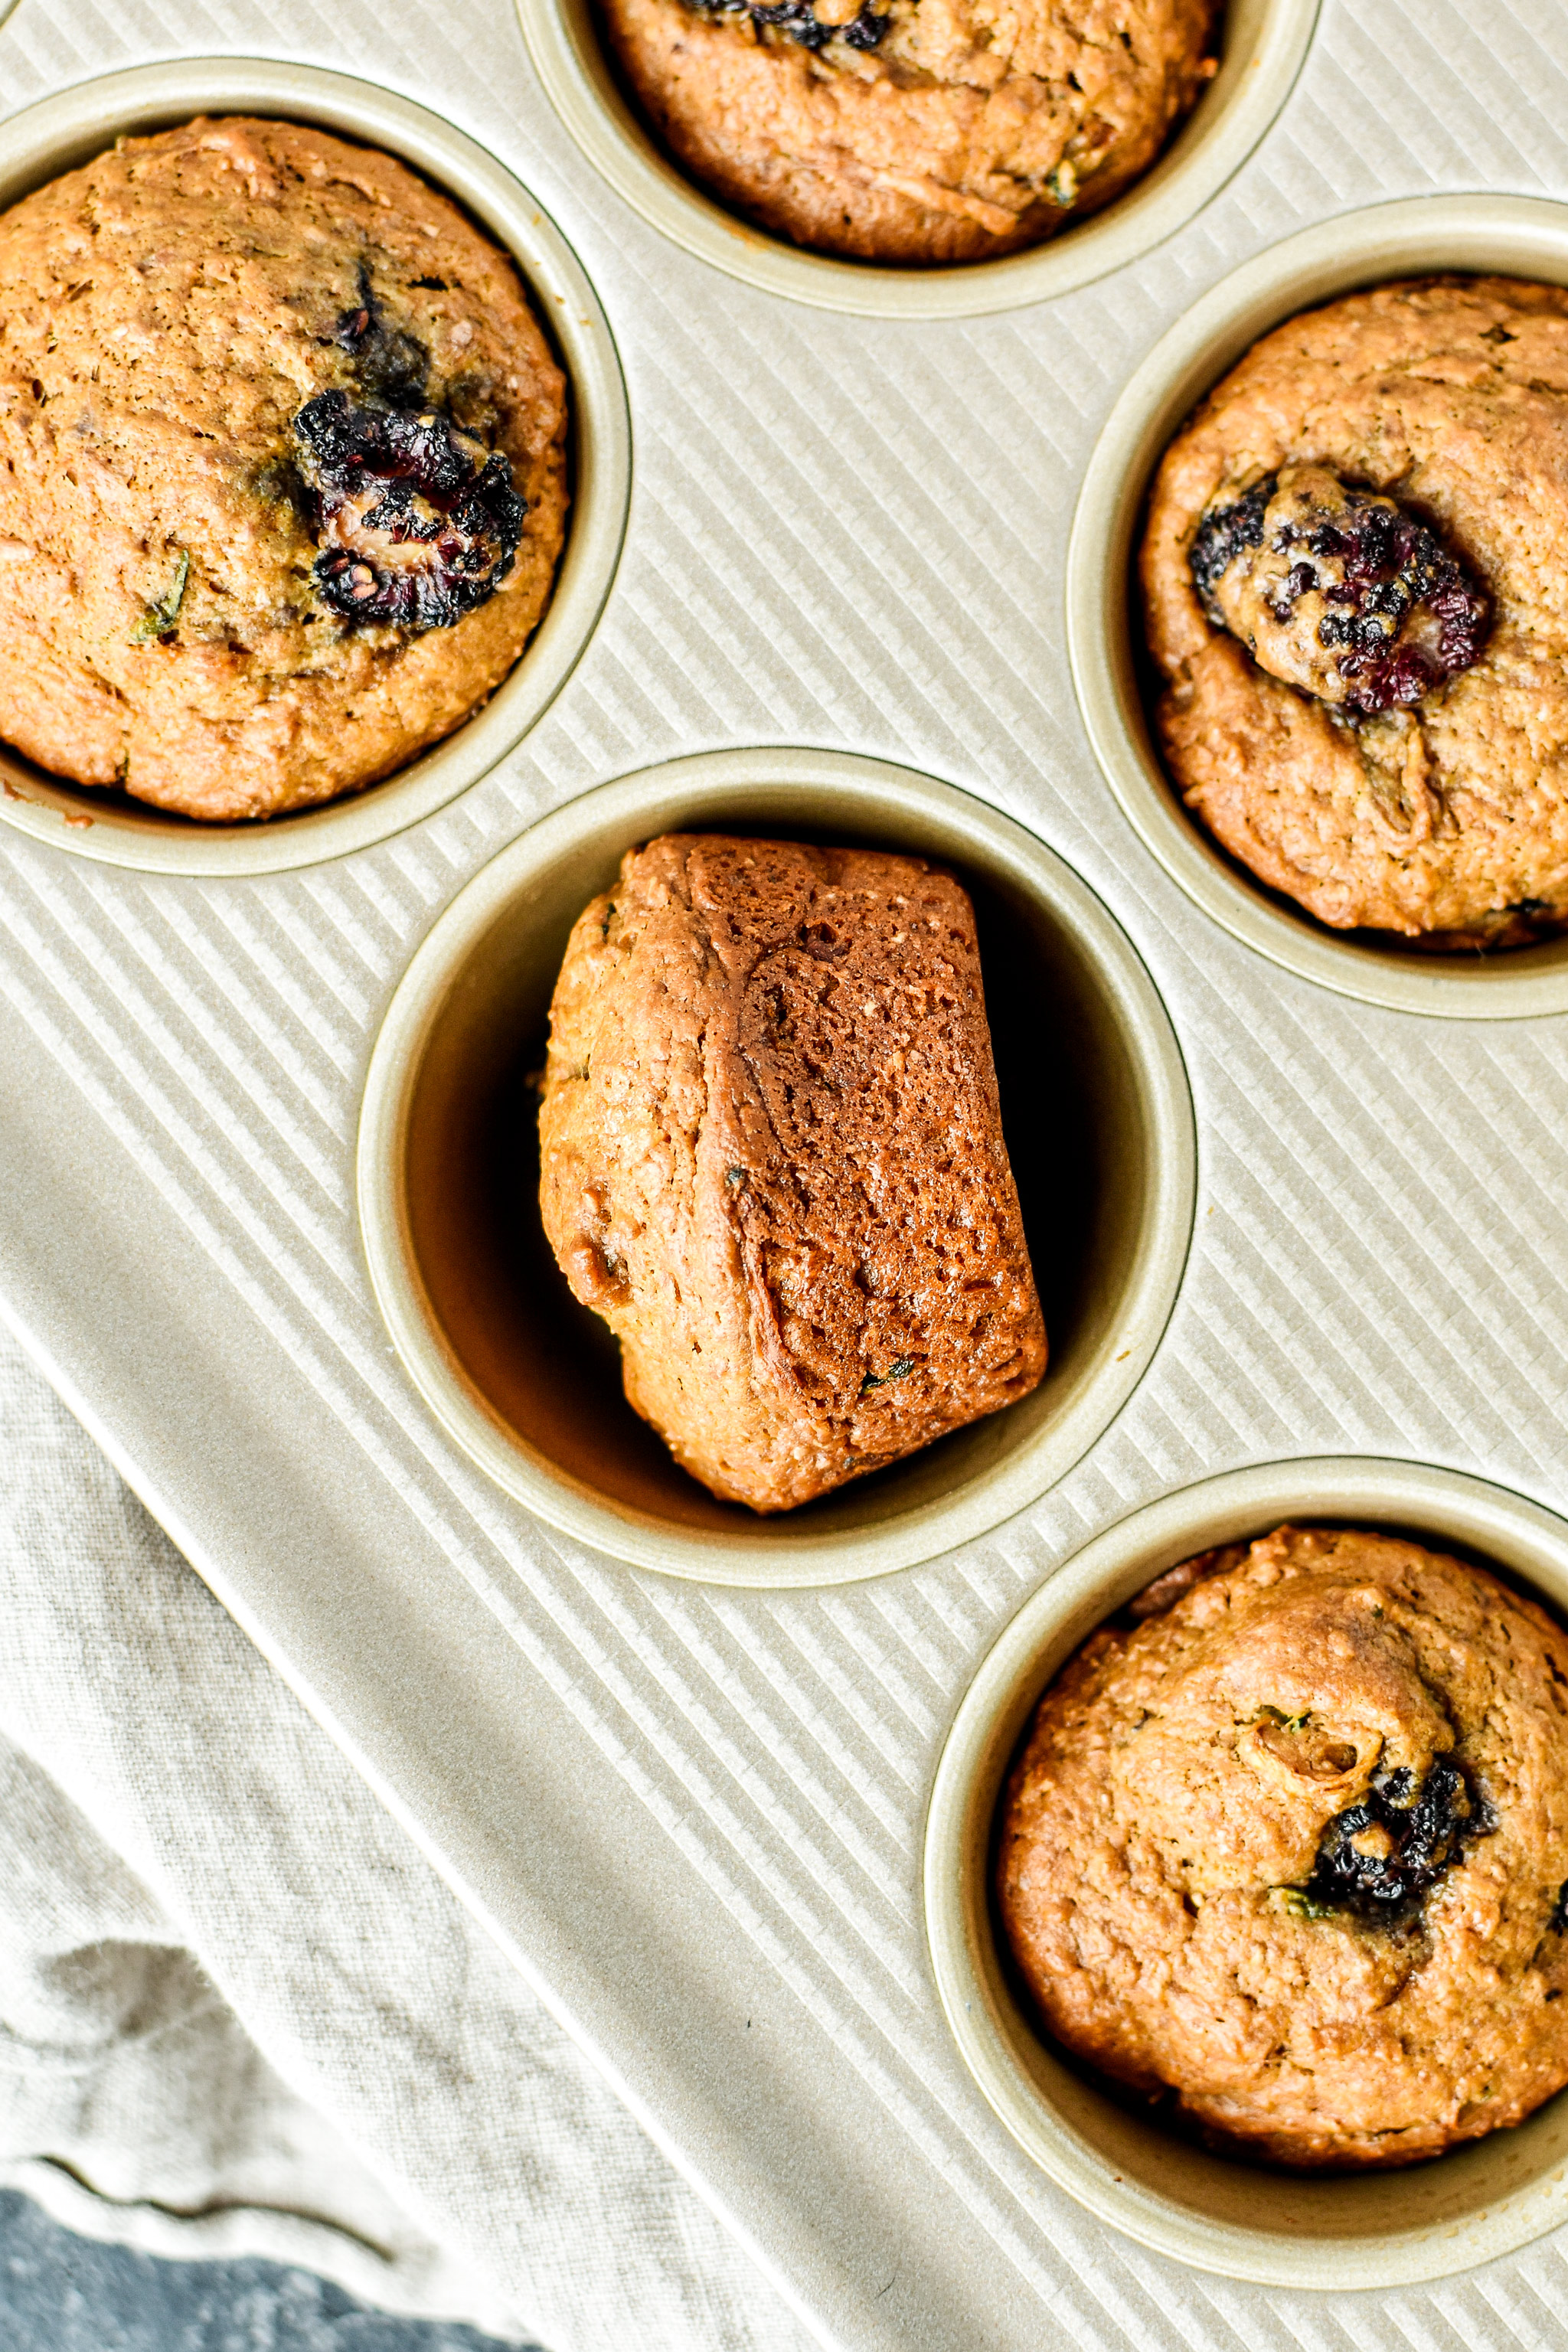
x: 773, y: 1161
x: 1291, y: 1844
x: 914, y: 131
x: 1357, y: 600
x: 282, y: 480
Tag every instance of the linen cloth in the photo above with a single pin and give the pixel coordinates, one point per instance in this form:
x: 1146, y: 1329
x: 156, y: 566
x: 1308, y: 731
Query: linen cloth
x: 240, y: 2014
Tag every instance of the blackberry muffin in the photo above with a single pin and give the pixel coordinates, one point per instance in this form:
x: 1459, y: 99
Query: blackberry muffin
x: 1288, y: 1844
x: 773, y: 1161
x: 1358, y: 608
x: 914, y: 131
x: 282, y: 481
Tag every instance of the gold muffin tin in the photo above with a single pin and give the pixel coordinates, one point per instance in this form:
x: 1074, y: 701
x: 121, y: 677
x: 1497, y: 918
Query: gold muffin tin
x: 1264, y: 43
x: 70, y: 130
x: 527, y: 1382
x: 505, y: 1366
x: 1247, y: 2221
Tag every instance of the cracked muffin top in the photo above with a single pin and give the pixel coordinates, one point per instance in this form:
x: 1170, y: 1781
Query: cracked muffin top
x: 1357, y: 602
x: 1290, y: 1845
x: 283, y: 479
x: 914, y: 131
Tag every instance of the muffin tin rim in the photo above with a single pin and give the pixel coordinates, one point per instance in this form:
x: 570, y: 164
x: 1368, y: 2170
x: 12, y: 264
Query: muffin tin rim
x: 581, y: 87
x: 645, y: 801
x: 1370, y: 245
x: 69, y: 126
x: 1447, y: 1505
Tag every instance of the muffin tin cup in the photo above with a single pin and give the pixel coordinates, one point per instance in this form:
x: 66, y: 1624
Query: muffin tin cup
x: 1516, y: 237
x: 1265, y: 43
x: 1094, y: 1097
x: 64, y: 132
x: 1244, y: 2220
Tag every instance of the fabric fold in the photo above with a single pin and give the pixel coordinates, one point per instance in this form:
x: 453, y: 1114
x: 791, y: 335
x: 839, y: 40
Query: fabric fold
x: 240, y: 2013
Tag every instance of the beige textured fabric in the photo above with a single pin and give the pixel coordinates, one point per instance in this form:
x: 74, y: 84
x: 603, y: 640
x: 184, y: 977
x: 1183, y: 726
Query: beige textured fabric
x: 240, y: 2013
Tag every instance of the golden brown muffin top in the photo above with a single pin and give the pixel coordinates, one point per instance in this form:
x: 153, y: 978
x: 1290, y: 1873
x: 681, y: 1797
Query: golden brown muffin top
x: 166, y: 314
x: 1295, y: 1848
x: 1443, y: 817
x: 915, y: 130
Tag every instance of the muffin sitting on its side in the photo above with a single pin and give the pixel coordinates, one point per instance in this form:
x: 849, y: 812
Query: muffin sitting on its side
x: 1292, y: 1844
x: 1358, y: 603
x: 773, y: 1161
x: 914, y: 131
x: 282, y: 481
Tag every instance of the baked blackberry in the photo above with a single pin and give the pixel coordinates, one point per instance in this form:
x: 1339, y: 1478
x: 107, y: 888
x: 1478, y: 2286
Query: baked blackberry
x: 418, y: 522
x: 1382, y: 1856
x: 1337, y: 591
x: 812, y: 26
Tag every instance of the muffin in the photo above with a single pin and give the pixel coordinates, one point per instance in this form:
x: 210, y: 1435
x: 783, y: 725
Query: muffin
x: 1287, y: 1845
x: 913, y: 131
x: 1357, y: 603
x: 283, y: 478
x: 772, y: 1159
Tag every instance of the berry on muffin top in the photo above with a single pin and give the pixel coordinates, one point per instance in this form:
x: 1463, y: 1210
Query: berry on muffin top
x: 1357, y: 605
x: 282, y: 472
x: 1288, y: 1844
x: 914, y: 131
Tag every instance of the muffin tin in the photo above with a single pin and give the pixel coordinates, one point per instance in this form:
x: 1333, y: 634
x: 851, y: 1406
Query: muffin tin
x: 1506, y: 236
x: 690, y: 1805
x: 524, y: 1379
x: 1244, y: 2219
x: 1261, y: 56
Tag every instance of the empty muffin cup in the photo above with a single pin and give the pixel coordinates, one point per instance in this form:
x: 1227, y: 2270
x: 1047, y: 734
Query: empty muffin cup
x: 67, y: 130
x: 1262, y: 46
x: 1242, y: 2218
x: 1511, y: 237
x: 1094, y: 1103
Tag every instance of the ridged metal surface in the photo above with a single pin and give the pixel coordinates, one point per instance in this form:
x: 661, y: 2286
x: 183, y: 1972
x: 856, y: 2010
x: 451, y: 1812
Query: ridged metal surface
x: 851, y: 534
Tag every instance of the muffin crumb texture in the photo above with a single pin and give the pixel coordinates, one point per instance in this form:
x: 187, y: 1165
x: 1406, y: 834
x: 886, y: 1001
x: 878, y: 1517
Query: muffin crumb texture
x: 914, y: 131
x: 282, y: 481
x: 773, y: 1161
x: 1357, y: 602
x: 1287, y: 1845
